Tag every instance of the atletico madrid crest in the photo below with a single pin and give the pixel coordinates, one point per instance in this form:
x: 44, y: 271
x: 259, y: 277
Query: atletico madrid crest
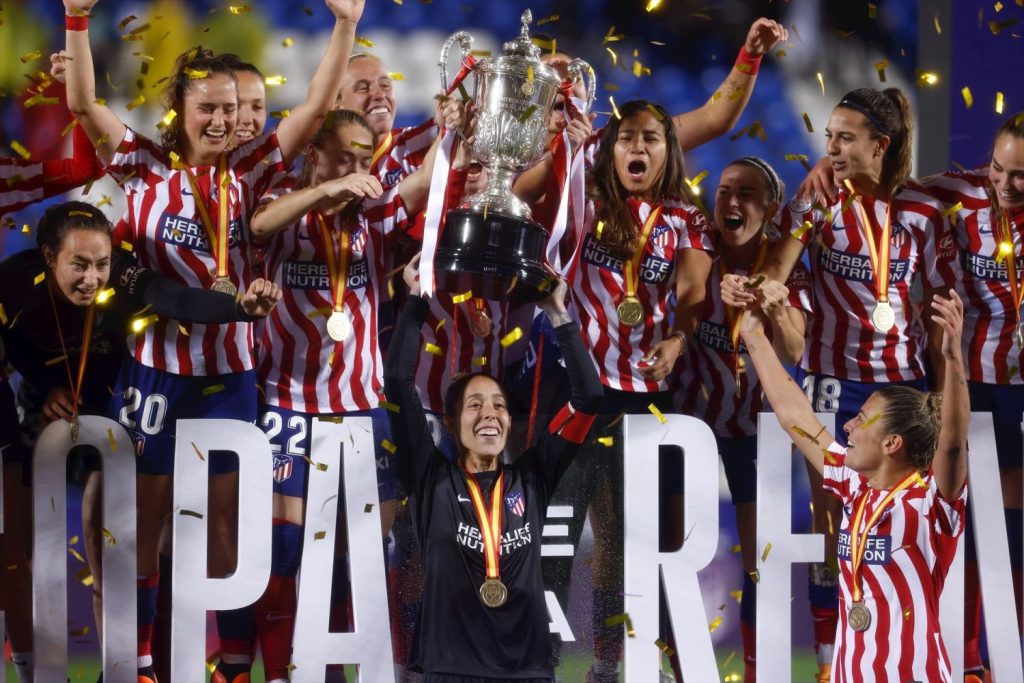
x: 515, y: 503
x: 282, y: 468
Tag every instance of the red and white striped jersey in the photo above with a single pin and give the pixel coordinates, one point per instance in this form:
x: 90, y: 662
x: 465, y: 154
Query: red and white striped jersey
x: 165, y: 231
x: 906, y: 558
x: 301, y: 367
x: 990, y: 321
x: 707, y: 383
x: 449, y: 347
x: 841, y: 341
x: 597, y: 282
x: 21, y: 184
x: 408, y: 150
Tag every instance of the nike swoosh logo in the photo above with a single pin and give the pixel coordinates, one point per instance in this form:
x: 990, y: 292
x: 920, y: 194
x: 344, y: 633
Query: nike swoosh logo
x: 463, y: 499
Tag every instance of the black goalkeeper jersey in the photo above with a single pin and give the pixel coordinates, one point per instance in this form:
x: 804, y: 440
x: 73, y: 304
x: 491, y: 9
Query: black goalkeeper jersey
x: 456, y: 633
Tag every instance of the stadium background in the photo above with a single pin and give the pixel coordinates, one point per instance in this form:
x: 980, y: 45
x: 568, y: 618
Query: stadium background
x: 688, y: 47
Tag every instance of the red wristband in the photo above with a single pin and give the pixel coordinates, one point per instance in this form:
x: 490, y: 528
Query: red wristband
x: 746, y: 62
x: 78, y: 22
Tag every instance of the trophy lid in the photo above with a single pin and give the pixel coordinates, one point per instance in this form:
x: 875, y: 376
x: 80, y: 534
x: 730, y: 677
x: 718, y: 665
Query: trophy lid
x: 523, y: 45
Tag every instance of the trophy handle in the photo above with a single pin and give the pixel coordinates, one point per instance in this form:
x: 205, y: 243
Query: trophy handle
x: 577, y: 70
x: 465, y: 42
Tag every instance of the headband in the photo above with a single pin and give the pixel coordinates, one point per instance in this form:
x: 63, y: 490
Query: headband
x: 870, y: 117
x: 768, y: 171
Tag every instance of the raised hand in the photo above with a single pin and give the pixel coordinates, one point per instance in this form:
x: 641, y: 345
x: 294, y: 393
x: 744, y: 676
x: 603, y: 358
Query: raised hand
x: 579, y: 130
x: 58, y: 67
x: 411, y: 275
x: 774, y: 296
x: 735, y: 292
x: 353, y: 186
x: 763, y: 35
x: 949, y: 314
x: 346, y: 10
x: 820, y: 182
x: 79, y: 7
x: 261, y: 297
x: 554, y: 303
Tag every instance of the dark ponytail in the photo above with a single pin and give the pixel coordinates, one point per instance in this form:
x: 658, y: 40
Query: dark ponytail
x: 888, y: 113
x: 61, y: 219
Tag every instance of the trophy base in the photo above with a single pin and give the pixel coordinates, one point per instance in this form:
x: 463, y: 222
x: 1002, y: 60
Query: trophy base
x: 497, y: 257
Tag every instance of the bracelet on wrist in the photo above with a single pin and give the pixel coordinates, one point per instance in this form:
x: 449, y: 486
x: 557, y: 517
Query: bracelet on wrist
x: 76, y: 22
x: 680, y: 335
x: 747, y: 63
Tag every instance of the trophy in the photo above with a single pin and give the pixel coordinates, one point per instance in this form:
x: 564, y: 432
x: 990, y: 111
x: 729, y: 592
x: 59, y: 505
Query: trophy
x: 490, y: 245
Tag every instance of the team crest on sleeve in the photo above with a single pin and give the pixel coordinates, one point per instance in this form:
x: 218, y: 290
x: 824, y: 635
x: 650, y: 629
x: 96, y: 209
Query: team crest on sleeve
x: 282, y: 468
x: 699, y: 221
x: 516, y: 503
x: 391, y: 178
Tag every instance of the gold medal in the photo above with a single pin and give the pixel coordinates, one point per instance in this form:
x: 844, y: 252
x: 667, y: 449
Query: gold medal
x: 74, y: 429
x: 493, y: 593
x: 339, y: 327
x: 859, y: 617
x: 883, y: 317
x: 631, y: 311
x: 224, y: 286
x: 1020, y: 335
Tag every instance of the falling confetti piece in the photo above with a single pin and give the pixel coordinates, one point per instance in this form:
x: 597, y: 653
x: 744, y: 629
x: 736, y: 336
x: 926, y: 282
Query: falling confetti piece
x: 652, y: 5
x: 321, y: 466
x: 39, y: 278
x: 926, y: 77
x: 715, y: 623
x: 606, y: 441
x: 807, y: 123
x: 755, y: 576
x: 663, y: 646
x: 998, y: 7
x: 396, y: 75
x: 283, y: 114
x: 196, y: 74
x: 953, y: 209
x: 968, y: 97
x: 391, y: 407
x: 239, y: 9
x: 731, y: 656
x: 830, y: 458
x: 109, y: 537
x: 191, y: 513
x: 19, y: 149
x: 139, y: 324
x: 198, y: 452
x: 548, y: 20
x: 821, y: 82
x: 75, y: 554
x: 111, y: 440
x: 213, y: 389
x: 872, y: 10
x: 800, y: 432
x: 365, y: 42
x: 127, y: 20
x: 999, y: 102
x: 79, y: 632
x: 880, y: 68
x: 996, y: 27
x: 657, y: 413
x: 287, y: 42
x: 736, y: 595
x: 368, y: 508
x: 275, y: 80
x: 39, y: 100
x: 54, y: 361
x: 84, y: 576
x: 511, y: 338
x: 388, y: 446
x: 433, y: 348
x: 31, y: 56
x: 621, y: 619
x: 319, y: 535
x: 166, y: 120
x: 938, y: 26
x: 138, y: 101
x: 615, y: 110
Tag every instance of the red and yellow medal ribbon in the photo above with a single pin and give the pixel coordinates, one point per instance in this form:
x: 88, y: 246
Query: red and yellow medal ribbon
x: 337, y: 263
x: 1010, y: 249
x: 631, y: 267
x: 858, y: 537
x: 382, y: 149
x: 83, y: 354
x: 217, y: 238
x: 489, y: 523
x: 878, y: 253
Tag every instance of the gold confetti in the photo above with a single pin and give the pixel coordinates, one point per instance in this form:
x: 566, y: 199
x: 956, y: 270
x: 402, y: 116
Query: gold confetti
x: 3, y: 315
x: 433, y: 348
x: 39, y: 278
x: 621, y: 619
x: 731, y: 656
x: 390, y: 407
x: 275, y: 80
x: 953, y: 209
x: 54, y: 361
x: 780, y: 53
x: 938, y: 26
x: 615, y: 110
x: 880, y: 68
x: 926, y: 77
x: 75, y: 554
x: 998, y: 7
x: 196, y: 74
x: 199, y: 453
x: 807, y: 122
x: 239, y: 9
x: 319, y: 535
x: 715, y: 623
x: 995, y: 27
x: 166, y: 120
x: 136, y: 102
x: 999, y: 102
x: 321, y: 466
x: 111, y: 440
x: 612, y: 36
x: 104, y: 200
x: 388, y: 446
x: 511, y: 338
x: 906, y: 614
x: 1012, y: 372
x: 80, y: 632
x: 657, y: 413
x: 736, y: 595
x: 872, y: 10
x: 37, y: 100
x: 368, y: 508
x: 31, y: 56
x: 287, y: 42
x: 547, y: 20
x: 795, y: 157
x: 615, y: 57
x: 139, y: 324
x: 84, y: 576
x: 600, y: 229
x: 663, y: 646
x: 652, y: 5
x: 19, y: 149
x: 283, y: 114
x: 365, y: 42
x: 830, y: 458
x: 127, y: 20
x: 359, y: 145
x: 968, y: 97
x: 109, y: 537
x: 213, y: 389
x: 525, y: 116
x: 481, y: 361
x: 821, y: 82
x: 181, y: 328
x: 606, y: 441
x: 767, y: 549
x: 25, y: 229
x: 460, y: 298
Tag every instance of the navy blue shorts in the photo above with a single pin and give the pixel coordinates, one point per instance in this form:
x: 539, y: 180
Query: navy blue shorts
x: 289, y: 433
x: 739, y: 457
x: 1006, y: 403
x: 149, y: 402
x: 844, y: 397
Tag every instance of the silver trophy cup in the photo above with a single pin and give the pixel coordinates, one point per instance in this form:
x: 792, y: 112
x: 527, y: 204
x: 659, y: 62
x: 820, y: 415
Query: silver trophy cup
x: 490, y: 245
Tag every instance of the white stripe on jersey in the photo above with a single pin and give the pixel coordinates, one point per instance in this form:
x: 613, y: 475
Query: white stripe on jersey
x: 302, y: 368
x: 990, y: 346
x: 463, y: 352
x: 21, y: 184
x: 707, y: 384
x: 907, y: 557
x: 409, y: 147
x: 167, y: 235
x: 596, y: 282
x: 841, y: 341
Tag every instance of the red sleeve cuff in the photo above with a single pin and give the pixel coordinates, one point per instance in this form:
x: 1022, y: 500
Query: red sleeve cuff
x: 571, y: 425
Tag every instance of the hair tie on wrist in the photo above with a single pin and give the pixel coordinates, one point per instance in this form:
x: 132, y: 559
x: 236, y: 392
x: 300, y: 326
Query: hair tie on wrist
x: 76, y: 22
x: 747, y: 63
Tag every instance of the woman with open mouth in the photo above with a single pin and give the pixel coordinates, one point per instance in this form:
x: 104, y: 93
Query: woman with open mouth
x: 189, y: 202
x: 479, y: 520
x: 867, y: 247
x: 717, y: 384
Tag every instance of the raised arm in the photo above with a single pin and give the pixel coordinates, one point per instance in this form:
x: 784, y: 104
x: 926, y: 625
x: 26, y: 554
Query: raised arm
x: 298, y: 128
x: 780, y: 263
x: 415, y: 187
x: 274, y: 217
x: 787, y: 399
x: 720, y: 113
x: 101, y: 124
x: 949, y: 467
x: 788, y: 323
